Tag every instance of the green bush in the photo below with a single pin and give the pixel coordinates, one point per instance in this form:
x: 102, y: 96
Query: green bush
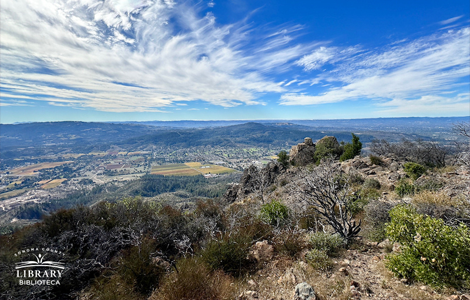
x: 405, y: 188
x: 228, y: 253
x: 371, y: 183
x: 329, y: 243
x: 326, y: 147
x: 351, y: 149
x: 274, y: 213
x: 414, y: 170
x: 319, y: 260
x: 376, y: 160
x: 431, y: 252
x: 283, y: 158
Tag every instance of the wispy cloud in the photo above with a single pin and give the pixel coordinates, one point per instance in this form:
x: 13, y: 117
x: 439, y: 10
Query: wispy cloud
x: 451, y: 20
x: 124, y: 56
x: 415, y: 71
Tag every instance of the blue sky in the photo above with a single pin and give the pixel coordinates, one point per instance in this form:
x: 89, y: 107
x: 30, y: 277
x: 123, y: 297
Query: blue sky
x: 117, y: 60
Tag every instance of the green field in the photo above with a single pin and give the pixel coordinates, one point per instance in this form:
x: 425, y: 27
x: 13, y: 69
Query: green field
x: 11, y: 194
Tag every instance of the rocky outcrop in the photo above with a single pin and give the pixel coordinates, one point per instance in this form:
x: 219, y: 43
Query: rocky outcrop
x: 302, y: 154
x: 261, y: 251
x: 254, y: 179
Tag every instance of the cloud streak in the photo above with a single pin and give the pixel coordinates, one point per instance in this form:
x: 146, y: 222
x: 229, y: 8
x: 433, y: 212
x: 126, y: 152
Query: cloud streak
x: 134, y: 55
x: 404, y: 74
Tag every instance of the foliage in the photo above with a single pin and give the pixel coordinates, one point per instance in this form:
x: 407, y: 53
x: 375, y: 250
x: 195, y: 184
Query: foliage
x: 404, y: 188
x: 329, y: 243
x: 376, y: 160
x: 327, y: 147
x: 319, y: 260
x: 274, y: 213
x: 376, y: 216
x: 431, y: 252
x: 351, y: 150
x: 195, y: 281
x: 414, y: 170
x: 228, y: 253
x: 283, y: 158
x: 371, y: 183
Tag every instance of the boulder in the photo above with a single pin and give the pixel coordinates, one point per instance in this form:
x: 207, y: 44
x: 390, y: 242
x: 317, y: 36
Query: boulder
x: 248, y: 295
x: 302, y: 154
x: 304, y: 291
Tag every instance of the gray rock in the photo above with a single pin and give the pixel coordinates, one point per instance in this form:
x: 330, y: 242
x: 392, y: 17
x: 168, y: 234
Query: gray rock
x: 304, y: 291
x: 302, y: 154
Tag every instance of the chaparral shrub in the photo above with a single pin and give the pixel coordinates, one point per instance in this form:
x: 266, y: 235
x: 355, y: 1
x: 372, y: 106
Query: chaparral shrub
x: 431, y: 252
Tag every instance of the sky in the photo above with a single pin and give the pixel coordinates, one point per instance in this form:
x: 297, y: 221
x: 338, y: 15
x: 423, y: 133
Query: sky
x: 141, y: 60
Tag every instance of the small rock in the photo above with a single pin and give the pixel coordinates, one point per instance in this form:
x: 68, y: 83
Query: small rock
x: 384, y: 244
x: 261, y: 251
x: 345, y: 262
x: 423, y: 287
x: 355, y: 284
x: 304, y: 291
x: 396, y: 247
x: 376, y: 258
x: 404, y: 280
x: 453, y: 297
x: 248, y: 295
x: 252, y: 283
x: 344, y: 271
x: 465, y: 297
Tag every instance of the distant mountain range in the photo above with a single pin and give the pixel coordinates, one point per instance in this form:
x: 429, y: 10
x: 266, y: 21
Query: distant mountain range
x: 220, y: 133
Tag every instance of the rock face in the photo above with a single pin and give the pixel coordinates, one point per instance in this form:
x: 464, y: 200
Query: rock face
x: 252, y: 179
x: 302, y: 154
x: 304, y: 291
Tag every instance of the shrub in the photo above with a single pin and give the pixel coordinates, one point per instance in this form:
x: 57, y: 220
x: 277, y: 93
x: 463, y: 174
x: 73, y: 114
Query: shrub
x: 195, y: 281
x: 431, y: 252
x: 274, y: 213
x: 376, y: 160
x: 405, y: 188
x: 351, y: 150
x: 376, y: 216
x: 414, y: 170
x: 371, y: 183
x: 228, y: 253
x: 329, y: 243
x: 289, y: 242
x: 328, y: 146
x: 428, y: 184
x: 319, y: 260
x: 283, y: 158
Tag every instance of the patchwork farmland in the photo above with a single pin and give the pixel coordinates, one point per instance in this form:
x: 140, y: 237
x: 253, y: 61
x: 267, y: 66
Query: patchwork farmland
x: 190, y: 169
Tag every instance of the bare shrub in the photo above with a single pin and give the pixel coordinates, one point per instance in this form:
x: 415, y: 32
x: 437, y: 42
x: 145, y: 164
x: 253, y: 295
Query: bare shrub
x: 325, y: 189
x: 427, y: 153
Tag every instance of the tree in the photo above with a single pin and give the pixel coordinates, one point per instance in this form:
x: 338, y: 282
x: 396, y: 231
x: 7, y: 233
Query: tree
x: 283, y: 158
x: 327, y: 191
x: 351, y: 150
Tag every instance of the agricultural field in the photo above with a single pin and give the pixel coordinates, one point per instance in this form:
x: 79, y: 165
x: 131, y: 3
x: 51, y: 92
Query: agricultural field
x: 30, y: 170
x: 11, y: 194
x: 53, y: 183
x: 190, y: 169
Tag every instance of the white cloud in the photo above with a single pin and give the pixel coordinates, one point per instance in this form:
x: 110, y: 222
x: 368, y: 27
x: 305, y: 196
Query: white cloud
x: 317, y: 58
x: 451, y: 20
x: 135, y: 55
x: 427, y: 66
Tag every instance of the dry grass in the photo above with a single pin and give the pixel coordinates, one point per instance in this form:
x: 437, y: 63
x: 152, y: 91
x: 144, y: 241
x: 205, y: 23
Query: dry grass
x: 30, y: 170
x: 53, y: 183
x: 213, y: 169
x: 194, y: 281
x: 193, y: 164
x: 438, y: 198
x: 189, y: 169
x: 181, y: 172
